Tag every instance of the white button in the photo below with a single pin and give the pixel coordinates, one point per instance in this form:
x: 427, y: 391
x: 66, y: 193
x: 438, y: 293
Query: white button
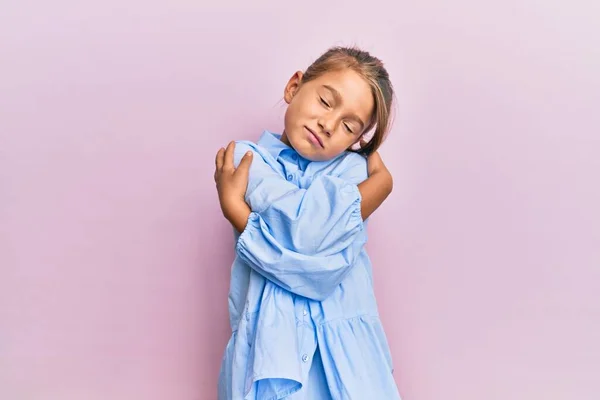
x: 305, y: 358
x: 290, y: 177
x: 304, y: 312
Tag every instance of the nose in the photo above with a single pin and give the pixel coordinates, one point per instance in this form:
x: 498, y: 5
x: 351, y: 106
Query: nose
x: 326, y: 125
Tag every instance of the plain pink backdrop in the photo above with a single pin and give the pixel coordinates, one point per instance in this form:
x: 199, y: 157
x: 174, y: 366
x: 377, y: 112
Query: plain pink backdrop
x: 114, y: 256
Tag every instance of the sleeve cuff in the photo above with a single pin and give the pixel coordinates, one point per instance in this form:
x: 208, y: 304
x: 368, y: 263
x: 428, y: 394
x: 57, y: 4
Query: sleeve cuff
x: 356, y: 213
x: 252, y: 226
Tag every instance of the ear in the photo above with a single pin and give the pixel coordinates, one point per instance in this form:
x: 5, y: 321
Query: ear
x: 365, y: 137
x: 292, y: 86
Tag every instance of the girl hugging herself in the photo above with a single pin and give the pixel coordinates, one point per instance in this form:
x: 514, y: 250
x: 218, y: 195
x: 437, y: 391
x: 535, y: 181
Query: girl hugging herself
x: 303, y: 314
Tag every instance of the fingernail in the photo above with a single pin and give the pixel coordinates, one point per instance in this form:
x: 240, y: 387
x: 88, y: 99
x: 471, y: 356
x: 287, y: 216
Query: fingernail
x: 249, y: 153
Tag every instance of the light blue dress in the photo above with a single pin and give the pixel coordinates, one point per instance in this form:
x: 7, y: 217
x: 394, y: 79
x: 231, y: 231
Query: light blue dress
x: 301, y: 291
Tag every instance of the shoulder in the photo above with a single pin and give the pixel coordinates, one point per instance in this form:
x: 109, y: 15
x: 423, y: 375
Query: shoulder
x: 243, y: 146
x: 355, y: 160
x: 351, y: 167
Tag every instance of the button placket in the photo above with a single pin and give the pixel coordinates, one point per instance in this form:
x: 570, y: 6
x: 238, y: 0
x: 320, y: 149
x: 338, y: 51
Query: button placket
x: 307, y: 333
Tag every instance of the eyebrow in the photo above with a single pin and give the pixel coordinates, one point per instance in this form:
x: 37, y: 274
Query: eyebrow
x: 338, y: 98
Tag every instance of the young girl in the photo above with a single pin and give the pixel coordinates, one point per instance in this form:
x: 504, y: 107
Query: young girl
x: 302, y: 309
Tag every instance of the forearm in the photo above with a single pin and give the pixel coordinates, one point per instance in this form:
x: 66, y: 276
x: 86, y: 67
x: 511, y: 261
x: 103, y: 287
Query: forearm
x: 374, y: 191
x: 313, y: 276
x: 237, y: 214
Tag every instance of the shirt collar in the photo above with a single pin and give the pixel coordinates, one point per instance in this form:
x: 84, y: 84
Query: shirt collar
x: 273, y: 144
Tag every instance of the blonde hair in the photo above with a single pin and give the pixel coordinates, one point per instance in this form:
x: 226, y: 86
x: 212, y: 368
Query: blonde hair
x: 373, y: 71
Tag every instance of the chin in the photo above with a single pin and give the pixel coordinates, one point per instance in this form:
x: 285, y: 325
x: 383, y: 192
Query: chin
x: 309, y: 155
x: 307, y: 150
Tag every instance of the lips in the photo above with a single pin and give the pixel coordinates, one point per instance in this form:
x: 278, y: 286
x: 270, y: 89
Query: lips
x: 315, y: 136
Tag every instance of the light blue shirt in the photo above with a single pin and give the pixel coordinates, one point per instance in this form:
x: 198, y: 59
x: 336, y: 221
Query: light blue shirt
x: 300, y: 267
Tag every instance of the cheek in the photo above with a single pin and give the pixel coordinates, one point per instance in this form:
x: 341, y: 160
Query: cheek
x: 288, y: 118
x: 348, y: 141
x: 292, y: 113
x: 308, y: 107
x: 334, y: 151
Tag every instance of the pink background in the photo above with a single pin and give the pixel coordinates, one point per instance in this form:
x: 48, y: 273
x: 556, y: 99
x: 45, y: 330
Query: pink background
x: 114, y: 256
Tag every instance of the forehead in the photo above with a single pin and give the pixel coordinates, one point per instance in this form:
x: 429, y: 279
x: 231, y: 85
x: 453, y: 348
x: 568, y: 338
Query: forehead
x: 354, y: 90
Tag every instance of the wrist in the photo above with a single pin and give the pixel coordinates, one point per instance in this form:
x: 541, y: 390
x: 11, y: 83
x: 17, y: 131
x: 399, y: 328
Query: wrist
x: 237, y: 213
x: 232, y: 207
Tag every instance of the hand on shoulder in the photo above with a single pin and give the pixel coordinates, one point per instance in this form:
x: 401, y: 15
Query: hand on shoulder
x: 376, y: 166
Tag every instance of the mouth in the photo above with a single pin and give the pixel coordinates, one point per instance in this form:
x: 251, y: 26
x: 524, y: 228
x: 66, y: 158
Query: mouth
x: 314, y: 138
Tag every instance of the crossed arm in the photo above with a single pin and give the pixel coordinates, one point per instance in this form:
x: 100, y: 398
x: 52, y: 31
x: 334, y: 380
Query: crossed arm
x: 305, y: 240
x: 232, y: 184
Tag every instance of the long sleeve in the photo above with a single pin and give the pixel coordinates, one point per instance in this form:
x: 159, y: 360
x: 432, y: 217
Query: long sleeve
x: 305, y: 240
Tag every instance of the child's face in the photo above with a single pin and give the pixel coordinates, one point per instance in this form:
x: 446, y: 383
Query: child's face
x: 327, y: 115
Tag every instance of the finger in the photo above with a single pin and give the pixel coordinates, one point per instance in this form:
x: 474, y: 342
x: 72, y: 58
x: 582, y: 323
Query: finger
x: 244, y: 166
x: 229, y: 156
x: 219, y: 159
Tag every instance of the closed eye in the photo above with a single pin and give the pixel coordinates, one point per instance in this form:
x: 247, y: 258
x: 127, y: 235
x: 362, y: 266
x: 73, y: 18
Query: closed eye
x: 326, y: 104
x: 348, y: 128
